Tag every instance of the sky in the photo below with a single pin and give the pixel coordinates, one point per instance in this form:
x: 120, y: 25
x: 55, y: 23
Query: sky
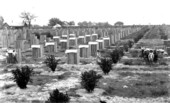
x: 128, y: 11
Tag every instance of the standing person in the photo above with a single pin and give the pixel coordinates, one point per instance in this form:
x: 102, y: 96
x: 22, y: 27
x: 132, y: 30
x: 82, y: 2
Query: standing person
x: 155, y: 56
x: 142, y: 52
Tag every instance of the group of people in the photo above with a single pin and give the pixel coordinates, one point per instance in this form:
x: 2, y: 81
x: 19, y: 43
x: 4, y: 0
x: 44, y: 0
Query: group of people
x: 11, y: 56
x: 151, y: 55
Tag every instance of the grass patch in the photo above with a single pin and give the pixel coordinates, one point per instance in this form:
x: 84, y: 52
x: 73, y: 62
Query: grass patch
x: 64, y: 76
x: 146, y: 85
x: 72, y: 92
x: 43, y: 79
x: 128, y: 63
x: 84, y: 62
x: 125, y: 74
x: 163, y: 63
x: 124, y: 68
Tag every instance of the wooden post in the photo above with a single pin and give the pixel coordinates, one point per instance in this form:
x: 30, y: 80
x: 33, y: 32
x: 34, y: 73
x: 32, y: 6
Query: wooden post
x: 87, y: 38
x: 84, y: 51
x: 42, y: 38
x: 106, y: 42
x: 63, y: 44
x: 18, y: 55
x: 36, y: 52
x: 64, y: 36
x: 100, y: 43
x: 42, y: 50
x: 81, y: 40
x: 72, y: 35
x: 50, y: 47
x: 57, y: 40
x: 94, y: 37
x: 93, y: 47
x: 72, y: 56
x: 72, y: 42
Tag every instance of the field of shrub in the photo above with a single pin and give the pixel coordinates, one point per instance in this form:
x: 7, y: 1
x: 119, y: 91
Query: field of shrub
x: 118, y: 79
x: 153, y: 38
x: 138, y: 85
x: 124, y: 82
x: 136, y: 36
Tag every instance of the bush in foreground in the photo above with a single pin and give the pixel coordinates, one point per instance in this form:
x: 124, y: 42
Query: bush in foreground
x: 22, y: 76
x: 89, y: 80
x: 51, y: 62
x: 58, y: 97
x: 105, y: 64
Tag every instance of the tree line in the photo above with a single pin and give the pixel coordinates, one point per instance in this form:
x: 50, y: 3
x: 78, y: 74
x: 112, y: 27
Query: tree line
x: 28, y: 17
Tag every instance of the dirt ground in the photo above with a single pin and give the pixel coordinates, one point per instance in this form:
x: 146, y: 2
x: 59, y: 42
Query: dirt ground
x: 120, y: 85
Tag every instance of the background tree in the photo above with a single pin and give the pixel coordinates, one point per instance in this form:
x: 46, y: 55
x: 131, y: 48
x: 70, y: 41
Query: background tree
x: 27, y: 18
x: 119, y: 23
x: 85, y: 23
x: 104, y: 24
x: 55, y: 21
x: 71, y: 23
x: 36, y: 26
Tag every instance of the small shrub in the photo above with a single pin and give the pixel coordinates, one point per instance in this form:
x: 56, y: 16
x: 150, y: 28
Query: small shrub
x: 89, y: 80
x: 58, y: 97
x: 48, y: 34
x: 126, y: 47
x: 22, y: 76
x: 130, y: 43
x: 115, y: 56
x: 37, y: 35
x: 51, y: 62
x: 121, y: 51
x: 105, y: 64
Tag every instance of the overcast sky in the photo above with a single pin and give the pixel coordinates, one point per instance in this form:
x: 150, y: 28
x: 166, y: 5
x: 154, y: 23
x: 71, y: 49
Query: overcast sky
x: 128, y: 11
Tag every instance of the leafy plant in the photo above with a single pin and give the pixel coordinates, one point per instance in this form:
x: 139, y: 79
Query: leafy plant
x: 116, y: 55
x: 58, y: 97
x: 105, y: 64
x: 89, y: 80
x: 137, y: 35
x: 51, y: 62
x: 130, y: 43
x: 22, y: 76
x: 37, y: 35
x: 126, y: 47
